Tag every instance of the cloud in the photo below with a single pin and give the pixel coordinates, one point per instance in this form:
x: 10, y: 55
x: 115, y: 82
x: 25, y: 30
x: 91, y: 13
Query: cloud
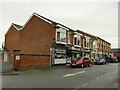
x: 97, y: 18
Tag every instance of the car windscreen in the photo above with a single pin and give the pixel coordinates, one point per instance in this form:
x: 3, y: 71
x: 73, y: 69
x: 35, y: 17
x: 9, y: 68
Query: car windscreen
x: 84, y: 58
x: 77, y: 58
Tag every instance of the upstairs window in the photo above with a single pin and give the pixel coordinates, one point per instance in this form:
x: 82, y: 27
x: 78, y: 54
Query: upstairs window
x: 61, y: 35
x: 95, y: 44
x: 68, y: 36
x: 77, y: 39
x: 86, y: 42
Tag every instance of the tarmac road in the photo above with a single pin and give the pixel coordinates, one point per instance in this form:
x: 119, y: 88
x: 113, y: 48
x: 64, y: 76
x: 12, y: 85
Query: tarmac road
x: 96, y: 76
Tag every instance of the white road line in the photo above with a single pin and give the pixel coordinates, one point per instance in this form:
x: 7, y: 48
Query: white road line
x: 105, y: 74
x: 67, y: 75
x: 85, y: 84
x: 98, y: 78
x: 72, y: 74
x: 114, y: 72
x: 76, y: 88
x: 79, y: 72
x: 102, y: 76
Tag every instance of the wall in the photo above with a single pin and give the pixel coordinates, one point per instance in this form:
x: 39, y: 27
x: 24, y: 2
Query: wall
x: 12, y: 39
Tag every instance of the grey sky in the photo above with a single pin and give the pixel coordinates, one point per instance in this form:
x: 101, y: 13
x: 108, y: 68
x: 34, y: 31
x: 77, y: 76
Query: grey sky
x: 97, y: 18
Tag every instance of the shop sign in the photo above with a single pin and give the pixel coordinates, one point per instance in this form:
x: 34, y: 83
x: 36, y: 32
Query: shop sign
x: 73, y: 48
x: 17, y: 57
x: 60, y: 51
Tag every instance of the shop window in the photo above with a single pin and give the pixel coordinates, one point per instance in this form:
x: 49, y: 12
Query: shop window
x: 60, y: 54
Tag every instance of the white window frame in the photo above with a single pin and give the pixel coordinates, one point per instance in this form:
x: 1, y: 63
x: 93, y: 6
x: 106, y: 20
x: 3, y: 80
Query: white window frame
x: 61, y: 28
x: 87, y: 41
x: 78, y: 36
x: 68, y: 37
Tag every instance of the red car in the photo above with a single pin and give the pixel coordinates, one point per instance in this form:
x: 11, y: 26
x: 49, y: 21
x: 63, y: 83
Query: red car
x: 81, y: 62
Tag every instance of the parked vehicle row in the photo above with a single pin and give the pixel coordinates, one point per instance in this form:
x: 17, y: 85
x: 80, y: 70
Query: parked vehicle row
x: 87, y: 62
x: 100, y: 61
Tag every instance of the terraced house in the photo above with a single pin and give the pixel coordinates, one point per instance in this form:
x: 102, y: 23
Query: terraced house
x: 42, y: 42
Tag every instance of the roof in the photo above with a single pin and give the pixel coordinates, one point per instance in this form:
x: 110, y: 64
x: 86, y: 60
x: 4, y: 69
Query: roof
x: 86, y: 33
x: 115, y: 50
x: 51, y: 21
x: 103, y: 40
x: 17, y: 26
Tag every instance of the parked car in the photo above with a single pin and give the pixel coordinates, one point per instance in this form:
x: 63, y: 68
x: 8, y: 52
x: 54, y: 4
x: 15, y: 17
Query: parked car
x: 81, y: 62
x: 68, y: 61
x: 113, y: 60
x: 100, y: 62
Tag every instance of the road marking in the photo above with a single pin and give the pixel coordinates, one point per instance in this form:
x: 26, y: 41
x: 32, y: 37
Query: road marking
x: 76, y: 88
x: 79, y: 72
x: 102, y: 76
x: 98, y: 78
x: 105, y: 74
x: 85, y: 84
x: 68, y: 75
x: 114, y: 72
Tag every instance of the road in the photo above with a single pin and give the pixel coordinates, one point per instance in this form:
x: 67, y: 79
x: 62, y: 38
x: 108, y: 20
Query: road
x: 96, y: 76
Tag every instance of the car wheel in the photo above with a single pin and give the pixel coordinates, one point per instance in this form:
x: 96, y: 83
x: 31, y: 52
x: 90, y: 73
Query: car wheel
x: 82, y: 66
x: 89, y: 65
x: 71, y: 66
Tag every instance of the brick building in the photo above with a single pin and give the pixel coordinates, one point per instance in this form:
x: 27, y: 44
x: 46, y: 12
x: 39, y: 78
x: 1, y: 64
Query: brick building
x: 42, y: 42
x: 103, y: 48
x: 115, y: 52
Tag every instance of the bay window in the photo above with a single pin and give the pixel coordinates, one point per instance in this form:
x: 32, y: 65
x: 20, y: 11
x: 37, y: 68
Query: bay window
x: 86, y: 42
x: 68, y: 37
x: 61, y: 35
x: 77, y: 39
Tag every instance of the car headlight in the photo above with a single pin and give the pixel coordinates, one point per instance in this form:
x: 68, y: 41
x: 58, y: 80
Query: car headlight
x: 77, y: 62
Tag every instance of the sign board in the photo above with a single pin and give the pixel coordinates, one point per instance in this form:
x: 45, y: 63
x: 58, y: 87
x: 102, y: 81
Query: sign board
x: 60, y: 51
x: 60, y: 61
x: 17, y: 57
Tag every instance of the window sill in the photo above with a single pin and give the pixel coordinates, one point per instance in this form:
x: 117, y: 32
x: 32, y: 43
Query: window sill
x: 77, y: 46
x: 60, y: 42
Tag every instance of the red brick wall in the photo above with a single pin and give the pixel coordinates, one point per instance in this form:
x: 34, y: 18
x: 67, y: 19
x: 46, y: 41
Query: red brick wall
x: 36, y: 37
x: 116, y: 54
x: 72, y: 38
x: 12, y: 39
x: 28, y: 62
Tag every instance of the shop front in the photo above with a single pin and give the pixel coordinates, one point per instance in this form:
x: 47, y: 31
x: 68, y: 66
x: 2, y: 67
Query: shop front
x: 87, y: 53
x: 73, y: 52
x: 58, y: 54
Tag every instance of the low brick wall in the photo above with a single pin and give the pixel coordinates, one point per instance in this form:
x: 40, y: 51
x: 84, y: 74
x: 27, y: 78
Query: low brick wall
x: 29, y: 61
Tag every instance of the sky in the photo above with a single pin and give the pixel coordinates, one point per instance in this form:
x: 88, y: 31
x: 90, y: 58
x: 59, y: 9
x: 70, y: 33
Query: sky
x: 99, y: 18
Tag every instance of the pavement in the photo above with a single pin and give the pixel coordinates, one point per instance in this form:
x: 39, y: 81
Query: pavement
x: 96, y: 76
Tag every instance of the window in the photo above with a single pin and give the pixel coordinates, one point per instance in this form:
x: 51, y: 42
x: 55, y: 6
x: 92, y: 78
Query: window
x: 86, y: 42
x: 68, y: 36
x: 61, y: 35
x: 95, y: 44
x: 77, y: 39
